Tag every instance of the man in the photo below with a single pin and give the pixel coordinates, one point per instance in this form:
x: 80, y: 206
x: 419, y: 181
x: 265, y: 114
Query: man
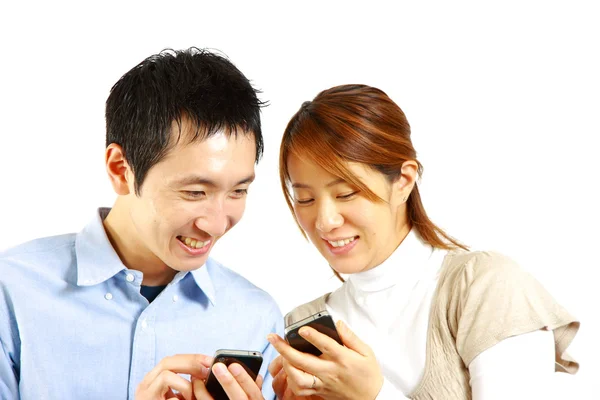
x: 91, y: 315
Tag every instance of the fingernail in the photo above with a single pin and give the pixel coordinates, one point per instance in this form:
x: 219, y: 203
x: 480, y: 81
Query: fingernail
x: 219, y: 369
x: 304, y: 332
x: 271, y: 338
x: 235, y: 369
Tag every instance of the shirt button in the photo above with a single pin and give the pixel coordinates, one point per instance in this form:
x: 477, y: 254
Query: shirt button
x: 108, y: 296
x: 129, y: 278
x: 175, y: 298
x: 144, y: 324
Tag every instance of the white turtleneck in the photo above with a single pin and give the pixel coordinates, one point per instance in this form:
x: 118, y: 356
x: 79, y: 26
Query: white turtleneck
x: 388, y: 308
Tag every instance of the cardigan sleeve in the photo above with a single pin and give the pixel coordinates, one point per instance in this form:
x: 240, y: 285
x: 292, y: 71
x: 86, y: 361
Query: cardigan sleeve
x: 495, y: 299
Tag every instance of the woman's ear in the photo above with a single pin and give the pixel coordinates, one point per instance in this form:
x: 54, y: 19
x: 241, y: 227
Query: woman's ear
x: 119, y: 172
x: 403, y: 185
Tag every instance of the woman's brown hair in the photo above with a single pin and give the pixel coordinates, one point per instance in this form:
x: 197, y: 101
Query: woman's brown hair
x: 357, y: 123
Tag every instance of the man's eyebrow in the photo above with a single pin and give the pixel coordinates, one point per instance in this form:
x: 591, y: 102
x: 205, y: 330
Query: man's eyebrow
x: 330, y: 184
x: 200, y: 180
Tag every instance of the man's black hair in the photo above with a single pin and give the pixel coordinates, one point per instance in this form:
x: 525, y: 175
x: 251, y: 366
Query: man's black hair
x: 196, y: 84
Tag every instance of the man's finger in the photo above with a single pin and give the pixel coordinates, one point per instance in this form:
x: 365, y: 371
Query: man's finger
x: 249, y: 386
x: 259, y: 381
x: 166, y: 381
x: 192, y: 364
x: 228, y: 382
x: 199, y: 389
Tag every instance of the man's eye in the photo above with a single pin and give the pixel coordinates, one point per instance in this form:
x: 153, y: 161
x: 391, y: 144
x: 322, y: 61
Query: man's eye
x: 347, y: 196
x: 239, y: 193
x: 195, y: 194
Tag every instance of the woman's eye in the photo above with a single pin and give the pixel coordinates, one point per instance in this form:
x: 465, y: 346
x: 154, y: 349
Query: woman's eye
x: 347, y: 196
x: 303, y: 201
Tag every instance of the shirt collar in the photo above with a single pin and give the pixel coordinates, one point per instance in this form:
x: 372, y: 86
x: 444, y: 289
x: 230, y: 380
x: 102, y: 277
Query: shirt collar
x: 204, y: 281
x: 97, y: 260
x: 405, y: 265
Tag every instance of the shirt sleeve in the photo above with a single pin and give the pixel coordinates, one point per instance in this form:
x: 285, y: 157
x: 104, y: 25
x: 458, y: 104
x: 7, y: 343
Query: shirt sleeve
x: 519, y: 367
x: 9, y: 386
x: 389, y: 391
x: 9, y: 350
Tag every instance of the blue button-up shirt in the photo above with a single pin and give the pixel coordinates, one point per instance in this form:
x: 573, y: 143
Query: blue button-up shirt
x: 73, y: 324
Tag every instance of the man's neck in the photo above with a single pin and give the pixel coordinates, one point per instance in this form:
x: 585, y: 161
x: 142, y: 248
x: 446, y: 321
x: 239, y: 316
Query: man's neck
x: 134, y: 254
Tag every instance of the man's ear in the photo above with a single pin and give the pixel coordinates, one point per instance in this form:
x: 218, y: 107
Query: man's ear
x: 403, y: 185
x: 119, y: 172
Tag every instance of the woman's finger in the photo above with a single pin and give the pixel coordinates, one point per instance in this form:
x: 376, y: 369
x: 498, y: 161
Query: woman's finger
x: 275, y: 366
x: 279, y: 383
x: 303, y: 361
x: 300, y: 382
x: 327, y: 345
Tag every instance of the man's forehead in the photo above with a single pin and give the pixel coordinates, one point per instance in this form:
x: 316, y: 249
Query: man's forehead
x: 185, y: 131
x: 212, y: 181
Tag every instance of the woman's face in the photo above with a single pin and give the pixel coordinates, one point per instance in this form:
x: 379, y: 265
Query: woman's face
x: 353, y: 233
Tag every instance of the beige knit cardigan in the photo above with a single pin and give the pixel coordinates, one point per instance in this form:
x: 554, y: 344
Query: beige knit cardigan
x: 481, y: 298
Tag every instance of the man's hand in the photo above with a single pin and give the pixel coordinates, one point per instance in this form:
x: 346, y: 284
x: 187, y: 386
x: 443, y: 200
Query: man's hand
x: 236, y: 383
x: 162, y: 382
x: 159, y: 383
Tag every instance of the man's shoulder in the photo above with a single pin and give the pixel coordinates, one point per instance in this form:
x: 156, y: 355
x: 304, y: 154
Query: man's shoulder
x: 43, y: 251
x: 236, y: 284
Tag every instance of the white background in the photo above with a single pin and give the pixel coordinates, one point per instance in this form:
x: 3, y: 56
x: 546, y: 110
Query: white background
x: 503, y: 100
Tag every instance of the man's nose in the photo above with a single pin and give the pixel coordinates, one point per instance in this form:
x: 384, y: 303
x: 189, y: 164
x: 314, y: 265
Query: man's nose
x: 215, y: 222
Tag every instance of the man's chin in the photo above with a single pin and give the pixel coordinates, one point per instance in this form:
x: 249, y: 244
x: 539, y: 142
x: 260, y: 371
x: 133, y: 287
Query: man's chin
x: 189, y: 264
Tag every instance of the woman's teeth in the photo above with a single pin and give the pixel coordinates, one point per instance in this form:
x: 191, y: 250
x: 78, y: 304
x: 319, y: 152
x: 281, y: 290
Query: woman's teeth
x: 343, y: 242
x: 192, y: 242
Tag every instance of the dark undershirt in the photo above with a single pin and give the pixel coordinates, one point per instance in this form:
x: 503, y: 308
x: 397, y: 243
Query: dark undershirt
x: 150, y: 292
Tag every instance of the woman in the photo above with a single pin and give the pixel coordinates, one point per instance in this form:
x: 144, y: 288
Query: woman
x: 424, y: 317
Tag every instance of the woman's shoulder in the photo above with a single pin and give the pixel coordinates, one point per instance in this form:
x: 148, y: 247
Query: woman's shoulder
x: 306, y: 310
x: 468, y: 267
x: 489, y: 297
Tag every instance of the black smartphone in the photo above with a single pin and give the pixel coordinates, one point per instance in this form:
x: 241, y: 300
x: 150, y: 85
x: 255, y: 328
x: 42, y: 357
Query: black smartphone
x: 320, y: 321
x: 250, y: 360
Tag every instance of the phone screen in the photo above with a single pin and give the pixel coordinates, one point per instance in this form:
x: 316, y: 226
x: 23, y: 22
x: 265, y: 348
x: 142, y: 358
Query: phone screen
x: 323, y: 323
x: 251, y: 363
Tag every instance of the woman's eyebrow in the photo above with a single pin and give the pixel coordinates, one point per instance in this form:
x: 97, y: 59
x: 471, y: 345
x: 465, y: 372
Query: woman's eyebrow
x: 299, y: 185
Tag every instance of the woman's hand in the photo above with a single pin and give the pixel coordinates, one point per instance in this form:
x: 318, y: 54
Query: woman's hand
x: 350, y: 372
x: 280, y: 386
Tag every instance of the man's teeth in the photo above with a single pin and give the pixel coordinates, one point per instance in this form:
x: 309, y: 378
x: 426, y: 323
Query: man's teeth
x: 340, y: 243
x: 193, y: 242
